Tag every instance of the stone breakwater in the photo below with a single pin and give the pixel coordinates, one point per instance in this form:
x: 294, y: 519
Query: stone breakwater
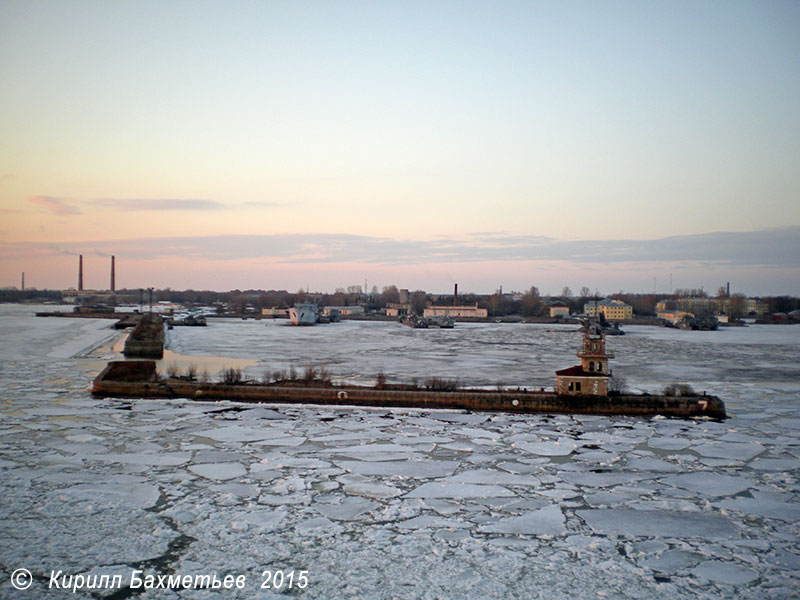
x: 139, y: 379
x: 147, y: 338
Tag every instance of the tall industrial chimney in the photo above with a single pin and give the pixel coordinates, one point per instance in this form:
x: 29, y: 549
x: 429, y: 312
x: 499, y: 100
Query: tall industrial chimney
x: 455, y: 295
x: 23, y: 281
x: 113, y: 283
x: 80, y: 272
x: 728, y: 290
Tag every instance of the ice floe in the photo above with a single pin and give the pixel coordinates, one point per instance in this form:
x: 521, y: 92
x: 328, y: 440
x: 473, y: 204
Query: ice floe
x: 458, y: 490
x: 414, y: 469
x: 545, y: 521
x: 560, y: 447
x: 630, y: 522
x: 724, y: 572
x: 710, y: 484
x: 221, y: 471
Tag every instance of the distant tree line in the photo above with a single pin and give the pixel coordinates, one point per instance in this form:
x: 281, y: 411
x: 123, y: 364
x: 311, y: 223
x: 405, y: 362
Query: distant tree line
x: 30, y: 295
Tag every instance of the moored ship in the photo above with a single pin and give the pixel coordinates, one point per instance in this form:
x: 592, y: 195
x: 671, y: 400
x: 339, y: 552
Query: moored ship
x: 304, y: 313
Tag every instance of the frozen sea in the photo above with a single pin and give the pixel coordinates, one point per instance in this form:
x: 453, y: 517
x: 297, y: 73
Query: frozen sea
x: 402, y: 503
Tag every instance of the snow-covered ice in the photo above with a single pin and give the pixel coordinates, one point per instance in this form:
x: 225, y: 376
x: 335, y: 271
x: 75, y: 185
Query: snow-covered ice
x: 406, y: 503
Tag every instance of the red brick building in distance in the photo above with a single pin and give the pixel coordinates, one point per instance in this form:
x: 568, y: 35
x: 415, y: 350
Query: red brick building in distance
x: 590, y: 378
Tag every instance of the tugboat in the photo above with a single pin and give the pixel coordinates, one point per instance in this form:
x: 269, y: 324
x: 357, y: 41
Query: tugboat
x: 699, y: 323
x: 415, y: 321
x: 607, y: 327
x: 442, y: 322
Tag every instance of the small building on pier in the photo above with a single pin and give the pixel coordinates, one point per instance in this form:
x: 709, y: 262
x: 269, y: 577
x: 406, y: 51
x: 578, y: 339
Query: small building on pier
x: 590, y: 378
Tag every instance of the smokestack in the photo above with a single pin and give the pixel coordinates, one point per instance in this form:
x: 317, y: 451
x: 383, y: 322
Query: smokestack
x: 23, y: 281
x: 455, y: 295
x: 80, y: 273
x: 113, y: 283
x: 728, y: 290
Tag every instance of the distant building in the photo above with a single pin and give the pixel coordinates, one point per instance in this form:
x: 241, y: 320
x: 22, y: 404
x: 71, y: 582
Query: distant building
x: 394, y: 309
x: 750, y: 306
x: 711, y: 306
x: 275, y: 312
x: 590, y: 378
x: 456, y: 311
x: 696, y: 306
x: 559, y: 309
x: 73, y: 296
x: 612, y: 310
x: 343, y: 310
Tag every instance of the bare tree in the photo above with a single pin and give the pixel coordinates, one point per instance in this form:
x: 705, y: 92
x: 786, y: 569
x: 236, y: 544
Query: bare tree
x: 566, y: 292
x: 531, y: 304
x: 419, y: 301
x: 390, y: 294
x: 735, y: 306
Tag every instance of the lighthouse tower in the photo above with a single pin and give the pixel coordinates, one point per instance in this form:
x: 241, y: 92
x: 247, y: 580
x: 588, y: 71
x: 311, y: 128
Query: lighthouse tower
x: 590, y: 378
x: 594, y: 358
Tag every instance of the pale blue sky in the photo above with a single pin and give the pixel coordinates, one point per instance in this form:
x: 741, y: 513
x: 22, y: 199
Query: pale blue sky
x: 411, y: 122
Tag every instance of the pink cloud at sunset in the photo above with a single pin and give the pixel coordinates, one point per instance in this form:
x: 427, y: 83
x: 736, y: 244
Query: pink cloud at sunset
x: 57, y: 206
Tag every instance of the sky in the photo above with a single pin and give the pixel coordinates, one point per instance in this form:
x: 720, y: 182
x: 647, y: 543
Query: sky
x: 621, y: 145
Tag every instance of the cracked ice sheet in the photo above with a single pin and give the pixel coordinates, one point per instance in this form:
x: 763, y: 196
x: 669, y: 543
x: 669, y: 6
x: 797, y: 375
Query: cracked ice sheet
x: 69, y: 543
x: 375, y: 552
